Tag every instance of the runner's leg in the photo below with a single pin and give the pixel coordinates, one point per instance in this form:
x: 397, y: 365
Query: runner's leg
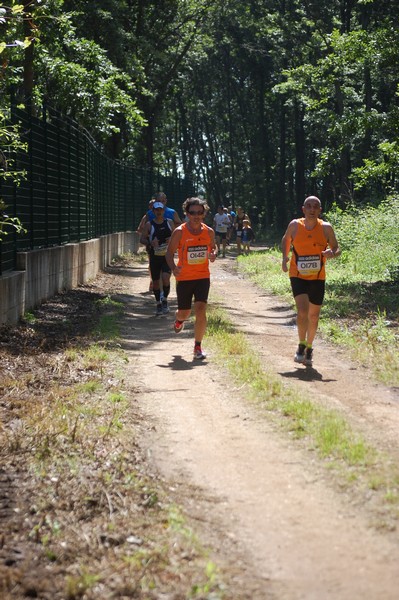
x: 200, y: 320
x: 313, y: 321
x: 302, y: 320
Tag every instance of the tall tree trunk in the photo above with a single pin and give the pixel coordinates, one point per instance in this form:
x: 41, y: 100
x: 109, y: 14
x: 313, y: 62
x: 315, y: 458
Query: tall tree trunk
x: 344, y: 166
x: 300, y: 149
x: 346, y: 14
x: 28, y: 55
x: 231, y: 129
x: 365, y: 16
x: 281, y: 216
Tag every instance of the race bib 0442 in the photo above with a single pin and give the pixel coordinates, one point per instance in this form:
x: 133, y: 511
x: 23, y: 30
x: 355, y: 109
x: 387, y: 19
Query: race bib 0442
x: 197, y: 255
x: 309, y: 265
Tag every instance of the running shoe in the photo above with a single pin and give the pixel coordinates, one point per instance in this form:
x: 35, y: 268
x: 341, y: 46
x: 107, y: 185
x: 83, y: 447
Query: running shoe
x: 308, y: 361
x: 198, y: 353
x: 178, y: 326
x: 159, y: 310
x: 165, y: 307
x: 300, y: 353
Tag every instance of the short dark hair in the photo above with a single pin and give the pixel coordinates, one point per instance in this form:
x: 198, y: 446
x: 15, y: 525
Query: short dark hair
x: 194, y: 202
x: 160, y: 196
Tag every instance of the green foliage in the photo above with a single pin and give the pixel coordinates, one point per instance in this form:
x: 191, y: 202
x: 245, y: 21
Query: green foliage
x: 8, y: 223
x: 265, y: 266
x: 9, y: 135
x: 85, y: 84
x: 14, y: 43
x: 10, y: 143
x: 381, y: 169
x: 73, y: 73
x: 369, y: 239
x: 11, y: 18
x: 214, y: 90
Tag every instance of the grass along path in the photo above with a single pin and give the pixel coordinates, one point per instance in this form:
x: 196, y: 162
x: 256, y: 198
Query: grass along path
x: 360, y: 315
x: 355, y: 464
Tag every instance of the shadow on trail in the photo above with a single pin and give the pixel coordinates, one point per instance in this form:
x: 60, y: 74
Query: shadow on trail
x: 139, y: 327
x: 178, y: 363
x: 280, y: 308
x: 287, y: 320
x: 135, y: 271
x: 308, y: 374
x: 141, y: 330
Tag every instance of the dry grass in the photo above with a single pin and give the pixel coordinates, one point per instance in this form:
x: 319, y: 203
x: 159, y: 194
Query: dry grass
x: 82, y: 515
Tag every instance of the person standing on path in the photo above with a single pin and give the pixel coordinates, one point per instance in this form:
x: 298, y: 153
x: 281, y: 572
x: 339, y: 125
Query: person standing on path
x: 221, y: 224
x: 247, y: 236
x: 232, y: 228
x: 312, y: 241
x: 195, y: 244
x: 155, y: 237
x: 239, y: 224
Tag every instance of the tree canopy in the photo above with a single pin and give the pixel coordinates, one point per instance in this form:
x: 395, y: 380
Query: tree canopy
x: 261, y: 102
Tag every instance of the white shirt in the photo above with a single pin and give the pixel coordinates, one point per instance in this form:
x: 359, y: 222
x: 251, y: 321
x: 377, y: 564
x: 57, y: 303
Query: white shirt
x: 222, y: 222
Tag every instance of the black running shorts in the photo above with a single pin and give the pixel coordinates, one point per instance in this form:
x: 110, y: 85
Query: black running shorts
x: 158, y: 265
x: 314, y: 288
x: 186, y: 290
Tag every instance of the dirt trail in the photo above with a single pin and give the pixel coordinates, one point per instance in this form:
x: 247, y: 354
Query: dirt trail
x: 264, y: 504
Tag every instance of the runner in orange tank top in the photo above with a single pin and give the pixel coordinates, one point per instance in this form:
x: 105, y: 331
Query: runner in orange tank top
x: 195, y: 244
x: 312, y: 241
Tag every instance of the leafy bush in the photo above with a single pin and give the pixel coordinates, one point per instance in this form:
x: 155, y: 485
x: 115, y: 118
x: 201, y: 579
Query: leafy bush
x: 369, y: 239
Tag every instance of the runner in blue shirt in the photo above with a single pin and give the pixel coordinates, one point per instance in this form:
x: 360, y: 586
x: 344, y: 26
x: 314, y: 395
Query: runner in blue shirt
x: 170, y: 213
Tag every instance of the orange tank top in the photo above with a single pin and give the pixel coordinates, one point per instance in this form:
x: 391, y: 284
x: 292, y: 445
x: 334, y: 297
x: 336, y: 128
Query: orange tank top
x: 193, y: 252
x: 307, y: 261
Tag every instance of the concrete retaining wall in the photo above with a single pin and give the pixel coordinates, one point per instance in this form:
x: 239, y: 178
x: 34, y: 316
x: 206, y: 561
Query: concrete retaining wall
x: 41, y: 274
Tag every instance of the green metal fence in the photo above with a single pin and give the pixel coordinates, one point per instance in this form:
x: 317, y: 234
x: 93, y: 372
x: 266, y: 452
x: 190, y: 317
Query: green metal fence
x: 72, y: 191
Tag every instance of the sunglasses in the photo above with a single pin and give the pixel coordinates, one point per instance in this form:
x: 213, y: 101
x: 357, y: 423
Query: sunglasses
x: 196, y: 212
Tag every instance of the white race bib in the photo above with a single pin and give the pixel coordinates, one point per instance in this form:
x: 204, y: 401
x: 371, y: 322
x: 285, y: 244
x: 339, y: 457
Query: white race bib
x: 309, y: 265
x: 197, y: 255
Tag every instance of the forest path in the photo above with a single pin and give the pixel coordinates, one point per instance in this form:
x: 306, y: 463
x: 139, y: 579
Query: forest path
x: 266, y: 505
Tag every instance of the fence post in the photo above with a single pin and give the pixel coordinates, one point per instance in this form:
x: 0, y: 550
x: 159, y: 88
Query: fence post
x: 45, y: 143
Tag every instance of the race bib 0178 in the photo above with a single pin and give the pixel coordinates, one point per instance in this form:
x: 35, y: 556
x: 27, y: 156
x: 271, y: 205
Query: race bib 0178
x: 197, y: 255
x: 309, y: 265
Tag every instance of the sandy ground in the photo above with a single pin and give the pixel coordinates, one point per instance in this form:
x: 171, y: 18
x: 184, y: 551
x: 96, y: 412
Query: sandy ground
x: 263, y: 503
